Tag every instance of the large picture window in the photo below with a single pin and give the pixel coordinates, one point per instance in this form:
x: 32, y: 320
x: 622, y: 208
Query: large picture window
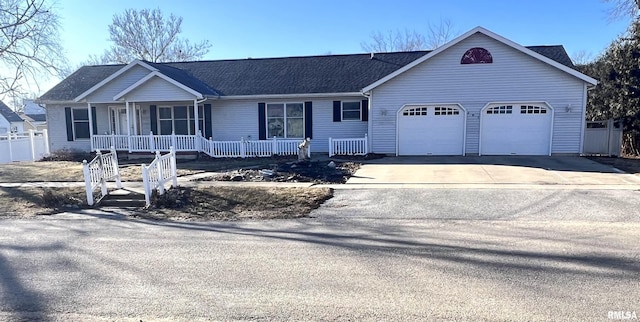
x: 285, y: 120
x: 179, y: 120
x: 80, y: 123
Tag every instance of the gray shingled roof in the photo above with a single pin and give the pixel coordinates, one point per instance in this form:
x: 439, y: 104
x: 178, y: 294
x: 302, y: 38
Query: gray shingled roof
x: 9, y: 114
x: 289, y: 75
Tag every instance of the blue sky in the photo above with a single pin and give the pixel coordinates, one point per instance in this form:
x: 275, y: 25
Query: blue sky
x: 273, y: 28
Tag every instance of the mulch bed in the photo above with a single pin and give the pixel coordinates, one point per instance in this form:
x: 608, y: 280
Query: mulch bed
x: 305, y: 171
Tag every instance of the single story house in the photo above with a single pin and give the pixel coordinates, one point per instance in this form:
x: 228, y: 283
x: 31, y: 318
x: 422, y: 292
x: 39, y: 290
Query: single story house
x: 479, y: 94
x: 10, y: 121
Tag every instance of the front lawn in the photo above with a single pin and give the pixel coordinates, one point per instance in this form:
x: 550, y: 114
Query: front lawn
x: 194, y: 204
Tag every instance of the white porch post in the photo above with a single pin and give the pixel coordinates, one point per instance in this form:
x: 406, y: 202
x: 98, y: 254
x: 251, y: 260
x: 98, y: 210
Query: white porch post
x: 135, y: 119
x: 128, y: 126
x: 195, y: 115
x: 197, y: 124
x: 90, y: 125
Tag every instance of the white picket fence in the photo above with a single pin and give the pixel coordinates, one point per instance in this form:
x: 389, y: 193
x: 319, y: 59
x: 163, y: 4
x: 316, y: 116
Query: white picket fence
x: 603, y: 138
x: 160, y: 171
x: 30, y: 146
x: 357, y: 146
x: 103, y: 168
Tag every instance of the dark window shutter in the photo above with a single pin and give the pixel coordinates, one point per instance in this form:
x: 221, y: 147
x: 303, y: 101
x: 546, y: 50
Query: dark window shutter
x: 208, y: 131
x: 308, y: 120
x: 365, y: 110
x: 262, y: 121
x: 94, y: 121
x: 337, y: 111
x: 67, y: 116
x: 153, y: 115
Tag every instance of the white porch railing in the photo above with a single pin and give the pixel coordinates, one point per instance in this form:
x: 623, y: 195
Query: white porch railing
x: 197, y: 143
x: 160, y: 171
x: 102, y: 168
x: 30, y: 146
x: 348, y: 146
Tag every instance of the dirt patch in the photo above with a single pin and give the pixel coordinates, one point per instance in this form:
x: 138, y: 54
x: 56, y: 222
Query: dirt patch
x: 235, y: 203
x: 627, y: 164
x: 314, y: 171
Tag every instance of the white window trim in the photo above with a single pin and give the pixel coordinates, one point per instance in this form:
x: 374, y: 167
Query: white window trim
x: 342, y: 119
x: 73, y: 123
x: 173, y: 118
x: 286, y: 130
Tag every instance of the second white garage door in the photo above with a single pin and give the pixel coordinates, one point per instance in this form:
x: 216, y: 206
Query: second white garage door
x: 431, y: 130
x: 516, y: 129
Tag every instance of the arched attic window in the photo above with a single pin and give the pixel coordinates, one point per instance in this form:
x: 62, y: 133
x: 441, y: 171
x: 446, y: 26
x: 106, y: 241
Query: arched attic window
x: 477, y: 55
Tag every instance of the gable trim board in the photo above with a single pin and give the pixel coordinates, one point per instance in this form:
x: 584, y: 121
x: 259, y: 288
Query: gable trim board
x: 449, y: 129
x: 536, y: 129
x: 151, y: 75
x: 113, y: 76
x: 488, y: 33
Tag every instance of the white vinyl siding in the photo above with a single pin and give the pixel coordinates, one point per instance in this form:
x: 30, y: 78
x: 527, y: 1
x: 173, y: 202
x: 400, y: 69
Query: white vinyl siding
x: 157, y: 89
x: 56, y: 124
x: 233, y: 119
x: 512, y: 77
x: 118, y: 84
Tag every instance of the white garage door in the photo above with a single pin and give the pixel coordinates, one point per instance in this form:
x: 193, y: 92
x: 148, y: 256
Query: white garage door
x: 431, y: 130
x: 518, y: 129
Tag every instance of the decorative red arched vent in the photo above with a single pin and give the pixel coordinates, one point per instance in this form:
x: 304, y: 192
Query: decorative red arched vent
x: 477, y: 55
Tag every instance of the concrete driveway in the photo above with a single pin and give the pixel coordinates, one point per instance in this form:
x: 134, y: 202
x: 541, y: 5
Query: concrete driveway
x: 532, y: 170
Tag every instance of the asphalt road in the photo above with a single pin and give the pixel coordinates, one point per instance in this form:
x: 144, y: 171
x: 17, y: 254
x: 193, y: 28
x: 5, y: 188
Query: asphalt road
x: 406, y: 254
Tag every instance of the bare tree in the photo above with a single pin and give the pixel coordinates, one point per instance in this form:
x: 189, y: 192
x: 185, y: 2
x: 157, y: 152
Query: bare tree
x: 149, y: 35
x: 405, y: 40
x: 394, y: 41
x: 623, y: 8
x: 582, y: 57
x: 439, y: 34
x: 30, y: 49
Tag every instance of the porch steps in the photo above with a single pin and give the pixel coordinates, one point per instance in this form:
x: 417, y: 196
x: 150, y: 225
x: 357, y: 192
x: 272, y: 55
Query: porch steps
x: 123, y: 198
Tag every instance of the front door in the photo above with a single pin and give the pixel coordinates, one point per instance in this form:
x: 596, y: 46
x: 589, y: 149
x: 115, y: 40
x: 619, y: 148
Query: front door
x: 118, y: 118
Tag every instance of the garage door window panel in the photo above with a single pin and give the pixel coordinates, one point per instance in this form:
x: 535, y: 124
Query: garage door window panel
x: 417, y: 111
x: 532, y: 109
x: 440, y: 111
x: 503, y: 109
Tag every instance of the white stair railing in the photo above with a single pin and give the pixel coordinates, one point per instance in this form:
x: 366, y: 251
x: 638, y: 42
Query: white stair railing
x: 160, y: 171
x: 102, y: 168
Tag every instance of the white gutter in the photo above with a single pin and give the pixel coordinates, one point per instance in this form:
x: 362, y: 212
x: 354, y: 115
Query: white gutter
x: 307, y: 95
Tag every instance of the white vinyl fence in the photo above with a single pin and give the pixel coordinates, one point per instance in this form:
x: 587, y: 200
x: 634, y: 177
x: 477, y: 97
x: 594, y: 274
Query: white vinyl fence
x: 160, y: 171
x: 30, y: 146
x: 102, y: 168
x: 603, y: 138
x: 250, y: 148
x: 357, y: 146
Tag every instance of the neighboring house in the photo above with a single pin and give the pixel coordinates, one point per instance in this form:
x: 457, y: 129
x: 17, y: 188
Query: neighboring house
x: 10, y: 121
x: 478, y: 94
x: 34, y: 116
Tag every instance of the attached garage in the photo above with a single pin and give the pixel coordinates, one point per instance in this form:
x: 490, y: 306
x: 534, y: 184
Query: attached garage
x: 431, y: 130
x: 516, y: 129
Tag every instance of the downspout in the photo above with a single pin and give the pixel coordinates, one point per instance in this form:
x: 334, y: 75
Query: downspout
x: 369, y: 97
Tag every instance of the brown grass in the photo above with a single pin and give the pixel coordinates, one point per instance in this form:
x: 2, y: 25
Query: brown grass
x: 68, y: 171
x: 29, y: 202
x: 237, y: 203
x: 202, y: 204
